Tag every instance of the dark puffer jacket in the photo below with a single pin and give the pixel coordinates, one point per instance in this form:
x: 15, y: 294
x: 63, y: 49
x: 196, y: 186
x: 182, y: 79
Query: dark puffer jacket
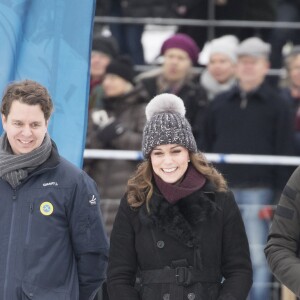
x: 198, y: 241
x: 61, y: 254
x: 125, y: 133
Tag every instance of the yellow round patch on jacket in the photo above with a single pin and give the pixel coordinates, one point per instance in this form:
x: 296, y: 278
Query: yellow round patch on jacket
x: 46, y: 208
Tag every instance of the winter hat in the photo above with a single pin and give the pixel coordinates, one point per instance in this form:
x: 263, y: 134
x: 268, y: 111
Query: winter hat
x: 121, y: 66
x: 183, y: 42
x: 107, y: 45
x: 254, y: 46
x: 226, y: 45
x: 166, y: 124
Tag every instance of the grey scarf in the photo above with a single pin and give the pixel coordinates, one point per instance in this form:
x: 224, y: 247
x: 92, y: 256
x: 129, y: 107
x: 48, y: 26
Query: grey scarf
x: 14, y: 168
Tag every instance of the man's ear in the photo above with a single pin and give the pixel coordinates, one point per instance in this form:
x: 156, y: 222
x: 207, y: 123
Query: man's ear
x: 4, y: 120
x: 47, y: 123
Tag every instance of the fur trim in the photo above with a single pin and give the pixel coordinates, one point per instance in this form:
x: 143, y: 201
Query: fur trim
x: 165, y: 103
x: 178, y: 220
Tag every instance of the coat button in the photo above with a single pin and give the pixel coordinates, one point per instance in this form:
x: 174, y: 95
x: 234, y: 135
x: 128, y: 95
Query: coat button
x: 191, y: 296
x: 160, y: 244
x: 166, y: 297
x: 30, y: 295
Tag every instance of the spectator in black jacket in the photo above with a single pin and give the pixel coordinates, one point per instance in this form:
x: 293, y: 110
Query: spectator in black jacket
x: 251, y: 118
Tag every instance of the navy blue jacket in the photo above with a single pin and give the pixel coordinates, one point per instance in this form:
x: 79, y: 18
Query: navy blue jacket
x: 262, y: 126
x: 52, y: 242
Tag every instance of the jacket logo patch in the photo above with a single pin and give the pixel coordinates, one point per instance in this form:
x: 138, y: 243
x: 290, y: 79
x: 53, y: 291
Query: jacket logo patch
x: 46, y: 208
x: 93, y: 200
x: 50, y: 183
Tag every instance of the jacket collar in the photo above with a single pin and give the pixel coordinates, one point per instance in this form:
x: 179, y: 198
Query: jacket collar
x: 179, y: 220
x: 261, y: 92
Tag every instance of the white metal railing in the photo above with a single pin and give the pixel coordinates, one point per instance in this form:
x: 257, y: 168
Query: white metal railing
x: 196, y: 22
x: 212, y: 157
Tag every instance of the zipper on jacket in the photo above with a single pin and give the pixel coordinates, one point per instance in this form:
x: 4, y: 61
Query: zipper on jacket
x: 27, y: 239
x: 12, y: 225
x: 244, y: 100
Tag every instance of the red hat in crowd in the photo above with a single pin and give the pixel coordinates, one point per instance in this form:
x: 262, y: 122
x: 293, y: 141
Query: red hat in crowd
x: 183, y: 42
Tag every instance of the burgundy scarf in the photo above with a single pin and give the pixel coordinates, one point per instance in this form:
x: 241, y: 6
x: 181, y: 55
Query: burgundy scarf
x: 192, y: 181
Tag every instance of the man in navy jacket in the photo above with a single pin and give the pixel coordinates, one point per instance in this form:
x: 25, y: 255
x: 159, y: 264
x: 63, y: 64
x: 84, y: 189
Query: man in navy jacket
x: 251, y: 118
x: 52, y: 240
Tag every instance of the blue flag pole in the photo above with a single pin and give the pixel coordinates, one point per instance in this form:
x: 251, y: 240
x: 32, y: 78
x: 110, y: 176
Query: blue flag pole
x: 50, y: 42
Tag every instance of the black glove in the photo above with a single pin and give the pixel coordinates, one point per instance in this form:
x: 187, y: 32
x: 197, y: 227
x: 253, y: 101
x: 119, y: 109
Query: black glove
x: 110, y: 132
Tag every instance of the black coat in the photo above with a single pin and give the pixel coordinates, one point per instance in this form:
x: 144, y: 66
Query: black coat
x: 203, y: 230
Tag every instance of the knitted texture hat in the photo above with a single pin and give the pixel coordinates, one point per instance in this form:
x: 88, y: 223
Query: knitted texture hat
x: 107, y: 45
x: 166, y: 124
x: 183, y: 42
x: 123, y: 67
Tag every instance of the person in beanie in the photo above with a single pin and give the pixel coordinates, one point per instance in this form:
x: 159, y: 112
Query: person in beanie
x: 53, y: 244
x: 219, y: 75
x: 178, y: 233
x: 176, y: 76
x: 252, y: 118
x: 118, y: 125
x: 104, y: 49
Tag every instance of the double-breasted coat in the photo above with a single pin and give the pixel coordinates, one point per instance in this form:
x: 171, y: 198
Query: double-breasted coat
x: 194, y: 249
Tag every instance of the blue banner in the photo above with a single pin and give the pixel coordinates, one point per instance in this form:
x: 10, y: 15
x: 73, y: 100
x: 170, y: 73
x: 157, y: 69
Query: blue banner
x: 49, y: 41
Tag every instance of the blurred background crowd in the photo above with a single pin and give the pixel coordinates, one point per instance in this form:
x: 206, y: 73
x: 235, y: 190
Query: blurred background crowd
x: 240, y: 86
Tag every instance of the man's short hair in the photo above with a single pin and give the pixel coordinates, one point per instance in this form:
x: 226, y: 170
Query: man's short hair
x: 28, y: 92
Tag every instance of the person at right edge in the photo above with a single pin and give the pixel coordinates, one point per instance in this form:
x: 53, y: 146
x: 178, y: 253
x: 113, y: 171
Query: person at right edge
x: 282, y: 249
x: 178, y: 233
x: 252, y: 119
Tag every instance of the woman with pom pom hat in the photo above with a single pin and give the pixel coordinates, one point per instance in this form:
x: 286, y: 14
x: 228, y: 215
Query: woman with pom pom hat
x: 178, y: 233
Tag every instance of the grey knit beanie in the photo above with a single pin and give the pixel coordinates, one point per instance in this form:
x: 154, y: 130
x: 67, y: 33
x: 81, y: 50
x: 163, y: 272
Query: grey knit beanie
x: 166, y: 124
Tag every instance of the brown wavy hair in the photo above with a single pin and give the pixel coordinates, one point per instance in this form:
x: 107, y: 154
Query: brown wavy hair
x: 140, y: 187
x: 29, y: 92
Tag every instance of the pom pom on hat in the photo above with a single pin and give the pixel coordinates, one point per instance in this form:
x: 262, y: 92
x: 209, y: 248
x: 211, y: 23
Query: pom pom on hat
x: 166, y: 124
x: 165, y: 103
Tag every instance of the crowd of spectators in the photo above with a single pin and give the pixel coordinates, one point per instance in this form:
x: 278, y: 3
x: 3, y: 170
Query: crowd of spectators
x: 231, y: 103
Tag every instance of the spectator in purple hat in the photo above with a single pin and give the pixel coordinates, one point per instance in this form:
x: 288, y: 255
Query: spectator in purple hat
x: 180, y: 53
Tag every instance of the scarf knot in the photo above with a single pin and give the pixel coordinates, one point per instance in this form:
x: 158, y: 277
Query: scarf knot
x: 15, y: 168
